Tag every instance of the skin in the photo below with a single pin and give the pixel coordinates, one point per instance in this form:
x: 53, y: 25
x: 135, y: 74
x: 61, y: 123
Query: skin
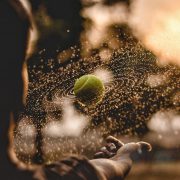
x: 112, y: 161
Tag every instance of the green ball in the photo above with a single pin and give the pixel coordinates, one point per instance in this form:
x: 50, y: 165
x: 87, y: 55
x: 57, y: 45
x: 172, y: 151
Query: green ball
x: 89, y: 89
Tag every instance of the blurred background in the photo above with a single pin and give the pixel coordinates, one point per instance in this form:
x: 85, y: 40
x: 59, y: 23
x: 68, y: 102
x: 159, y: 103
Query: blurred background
x: 133, y: 46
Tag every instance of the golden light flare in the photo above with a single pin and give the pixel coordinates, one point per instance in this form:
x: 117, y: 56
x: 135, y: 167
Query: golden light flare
x: 155, y: 80
x: 157, y: 24
x: 102, y: 17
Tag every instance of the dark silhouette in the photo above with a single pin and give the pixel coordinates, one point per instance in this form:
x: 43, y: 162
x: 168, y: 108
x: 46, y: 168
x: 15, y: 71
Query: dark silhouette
x: 15, y: 25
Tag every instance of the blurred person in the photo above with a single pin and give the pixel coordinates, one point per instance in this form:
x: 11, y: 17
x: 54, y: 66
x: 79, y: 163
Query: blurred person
x: 14, y: 34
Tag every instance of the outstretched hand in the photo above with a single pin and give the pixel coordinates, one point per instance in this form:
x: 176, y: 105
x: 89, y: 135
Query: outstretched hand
x: 114, y: 160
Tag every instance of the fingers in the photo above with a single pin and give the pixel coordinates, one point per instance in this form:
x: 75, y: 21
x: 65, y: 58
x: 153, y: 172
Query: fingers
x: 115, y: 147
x: 110, y: 149
x: 99, y: 155
x: 145, y: 147
x: 118, y: 143
x: 104, y: 153
x: 131, y: 148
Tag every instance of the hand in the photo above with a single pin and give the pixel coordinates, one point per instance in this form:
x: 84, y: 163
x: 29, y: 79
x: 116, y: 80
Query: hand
x: 110, y: 149
x: 119, y: 156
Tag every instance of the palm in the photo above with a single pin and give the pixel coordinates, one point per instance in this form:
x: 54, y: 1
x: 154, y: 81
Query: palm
x: 115, y: 158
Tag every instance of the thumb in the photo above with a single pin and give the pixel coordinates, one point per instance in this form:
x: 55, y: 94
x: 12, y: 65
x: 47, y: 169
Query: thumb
x: 132, y: 148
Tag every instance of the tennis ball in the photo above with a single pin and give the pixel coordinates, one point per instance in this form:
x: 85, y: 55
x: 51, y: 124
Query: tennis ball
x: 89, y: 89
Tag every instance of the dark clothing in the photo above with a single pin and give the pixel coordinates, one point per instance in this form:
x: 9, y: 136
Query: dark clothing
x: 14, y: 31
x: 77, y: 168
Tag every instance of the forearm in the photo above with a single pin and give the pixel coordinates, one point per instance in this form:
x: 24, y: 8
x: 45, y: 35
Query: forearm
x: 110, y: 169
